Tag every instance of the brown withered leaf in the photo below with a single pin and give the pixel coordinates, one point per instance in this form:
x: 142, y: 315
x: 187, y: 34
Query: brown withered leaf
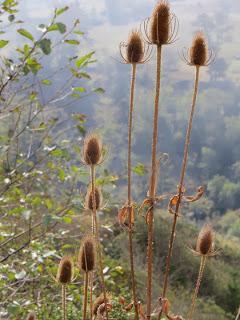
x: 126, y: 216
x: 129, y: 307
x: 196, y: 196
x: 172, y: 203
x: 141, y: 312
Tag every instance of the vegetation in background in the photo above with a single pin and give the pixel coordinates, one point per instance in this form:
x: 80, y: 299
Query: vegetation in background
x: 43, y: 213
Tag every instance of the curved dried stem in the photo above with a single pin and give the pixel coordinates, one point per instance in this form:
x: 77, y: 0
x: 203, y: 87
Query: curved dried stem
x: 198, y: 283
x: 181, y: 185
x: 97, y: 236
x: 152, y: 184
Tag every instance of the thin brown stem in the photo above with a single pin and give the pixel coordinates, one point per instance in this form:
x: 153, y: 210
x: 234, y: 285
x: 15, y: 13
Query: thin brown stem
x: 180, y: 186
x: 198, y: 283
x: 130, y: 230
x: 85, y: 298
x: 97, y: 236
x: 91, y: 294
x: 64, y: 303
x: 152, y: 184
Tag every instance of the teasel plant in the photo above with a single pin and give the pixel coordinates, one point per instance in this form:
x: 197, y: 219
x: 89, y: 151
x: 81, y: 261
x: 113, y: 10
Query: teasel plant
x: 133, y: 52
x: 204, y: 249
x: 92, y: 157
x: 64, y: 276
x: 197, y: 56
x: 86, y: 263
x: 88, y: 205
x: 160, y: 29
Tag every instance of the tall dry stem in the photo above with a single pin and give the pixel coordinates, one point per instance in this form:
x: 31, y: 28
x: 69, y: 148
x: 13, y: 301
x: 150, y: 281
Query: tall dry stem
x: 153, y: 183
x: 97, y: 236
x: 198, y: 283
x: 85, y: 299
x: 129, y: 187
x: 181, y: 185
x: 64, y: 304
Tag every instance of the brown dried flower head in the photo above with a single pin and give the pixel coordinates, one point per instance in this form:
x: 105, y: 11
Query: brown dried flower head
x: 198, y: 50
x: 198, y: 55
x: 92, y: 150
x: 65, y: 271
x: 135, y: 50
x: 162, y: 27
x: 86, y: 257
x: 205, y: 244
x: 98, y: 302
x: 32, y: 316
x: 89, y: 199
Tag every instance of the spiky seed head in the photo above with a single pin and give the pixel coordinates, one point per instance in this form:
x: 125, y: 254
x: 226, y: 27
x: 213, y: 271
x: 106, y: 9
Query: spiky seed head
x: 92, y: 150
x: 89, y: 199
x: 86, y: 257
x: 205, y: 244
x: 65, y: 271
x: 135, y: 48
x: 98, y: 302
x: 199, y: 50
x: 160, y: 23
x: 32, y: 316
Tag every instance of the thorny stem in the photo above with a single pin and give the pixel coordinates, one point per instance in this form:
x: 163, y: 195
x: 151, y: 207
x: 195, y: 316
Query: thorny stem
x: 198, y: 283
x: 180, y: 187
x: 153, y: 182
x: 130, y: 230
x: 85, y: 299
x: 64, y: 304
x: 97, y: 236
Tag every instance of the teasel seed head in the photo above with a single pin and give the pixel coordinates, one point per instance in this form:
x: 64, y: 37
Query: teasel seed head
x: 135, y: 50
x: 89, y: 199
x: 162, y: 27
x: 98, y: 302
x: 86, y: 257
x: 160, y: 23
x: 198, y: 50
x: 205, y: 241
x: 65, y: 271
x: 92, y: 150
x: 32, y: 316
x: 198, y: 55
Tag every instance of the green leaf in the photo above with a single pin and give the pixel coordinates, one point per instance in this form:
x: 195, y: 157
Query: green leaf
x: 34, y: 65
x: 3, y: 43
x: 25, y: 34
x: 45, y: 45
x: 83, y: 61
x: 61, y: 10
x: 79, y: 89
x: 80, y: 33
x: 59, y: 26
x: 99, y: 90
x: 72, y: 41
x: 140, y: 169
x: 46, y: 82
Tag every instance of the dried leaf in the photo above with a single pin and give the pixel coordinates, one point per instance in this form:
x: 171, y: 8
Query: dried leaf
x: 196, y: 196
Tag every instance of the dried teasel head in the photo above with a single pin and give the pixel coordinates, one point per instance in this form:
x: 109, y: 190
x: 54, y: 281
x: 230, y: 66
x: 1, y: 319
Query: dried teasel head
x: 99, y: 301
x: 86, y: 257
x: 65, y: 271
x: 205, y: 244
x: 135, y: 50
x: 89, y: 199
x: 32, y: 316
x: 92, y: 150
x: 162, y: 27
x: 198, y: 55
